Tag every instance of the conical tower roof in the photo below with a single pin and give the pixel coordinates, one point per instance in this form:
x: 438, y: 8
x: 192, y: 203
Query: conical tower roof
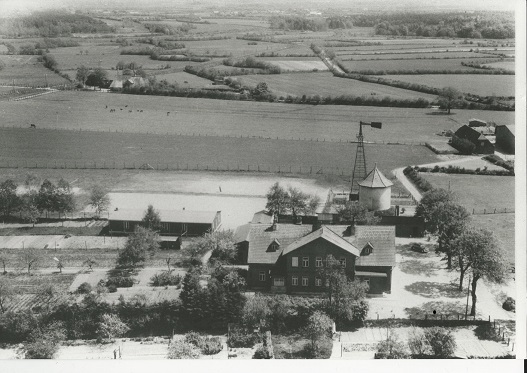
x: 375, y: 179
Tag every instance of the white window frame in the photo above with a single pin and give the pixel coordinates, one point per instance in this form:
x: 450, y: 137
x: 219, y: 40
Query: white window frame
x: 294, y: 280
x: 366, y: 280
x: 126, y: 225
x: 318, y: 262
x: 318, y: 281
x: 261, y: 276
x: 165, y: 227
x: 305, y: 281
x: 294, y: 261
x: 342, y: 262
x: 305, y: 259
x: 281, y: 281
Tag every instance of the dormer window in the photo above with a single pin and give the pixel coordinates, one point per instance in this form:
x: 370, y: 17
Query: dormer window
x: 274, y: 246
x: 367, y: 249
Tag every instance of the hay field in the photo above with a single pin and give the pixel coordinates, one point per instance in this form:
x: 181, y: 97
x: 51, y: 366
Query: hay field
x: 486, y: 85
x: 87, y: 111
x: 325, y: 84
x: 507, y: 65
x: 433, y: 55
x: 432, y: 65
x: 295, y: 65
x: 47, y: 148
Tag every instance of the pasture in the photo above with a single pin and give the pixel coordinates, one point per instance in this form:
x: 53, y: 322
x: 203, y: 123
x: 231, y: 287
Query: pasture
x: 236, y: 47
x: 431, y: 65
x: 502, y: 225
x: 26, y: 71
x: 325, y: 84
x: 476, y: 191
x: 488, y: 85
x: 432, y: 55
x: 507, y: 65
x: 70, y: 149
x: 295, y: 65
x: 88, y: 111
x: 184, y: 80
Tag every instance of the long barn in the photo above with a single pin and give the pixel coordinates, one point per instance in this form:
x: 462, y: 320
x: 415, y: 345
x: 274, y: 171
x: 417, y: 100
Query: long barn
x: 173, y: 223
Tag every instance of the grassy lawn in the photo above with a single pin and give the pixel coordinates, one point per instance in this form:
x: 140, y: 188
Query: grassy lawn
x: 502, y: 225
x: 292, y: 347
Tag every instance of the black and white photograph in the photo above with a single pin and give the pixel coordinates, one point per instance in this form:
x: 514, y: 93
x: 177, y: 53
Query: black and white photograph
x: 238, y: 180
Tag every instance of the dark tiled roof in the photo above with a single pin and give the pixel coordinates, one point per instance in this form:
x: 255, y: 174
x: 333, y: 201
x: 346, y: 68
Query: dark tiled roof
x: 262, y: 217
x: 242, y: 233
x: 375, y: 179
x: 469, y: 133
x: 327, y: 234
x: 381, y: 238
x: 260, y: 237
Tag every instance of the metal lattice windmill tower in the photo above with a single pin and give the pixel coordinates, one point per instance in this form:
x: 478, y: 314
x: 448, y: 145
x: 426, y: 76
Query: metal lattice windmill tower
x: 359, y: 169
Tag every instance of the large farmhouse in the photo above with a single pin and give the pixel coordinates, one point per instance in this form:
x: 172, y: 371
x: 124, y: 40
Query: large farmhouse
x: 285, y: 258
x: 173, y: 222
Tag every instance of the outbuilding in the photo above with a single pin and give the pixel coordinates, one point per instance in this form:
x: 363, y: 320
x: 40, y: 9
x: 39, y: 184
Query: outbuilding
x: 505, y: 138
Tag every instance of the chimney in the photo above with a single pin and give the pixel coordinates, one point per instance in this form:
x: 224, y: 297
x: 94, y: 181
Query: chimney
x: 273, y: 226
x: 351, y: 229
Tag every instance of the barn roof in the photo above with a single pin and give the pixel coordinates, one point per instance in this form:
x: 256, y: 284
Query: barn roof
x: 167, y: 216
x: 469, y: 133
x: 375, y: 179
x: 381, y: 238
x: 510, y: 127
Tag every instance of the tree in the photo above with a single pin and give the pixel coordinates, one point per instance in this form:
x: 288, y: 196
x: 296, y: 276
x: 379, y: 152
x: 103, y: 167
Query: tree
x: 30, y: 258
x: 344, y: 297
x: 99, y: 199
x: 477, y: 250
x: 151, y: 220
x: 356, y: 214
x: 32, y: 182
x: 256, y: 313
x: 6, y: 294
x: 90, y: 262
x: 9, y: 200
x: 120, y: 65
x: 448, y: 97
x: 65, y: 199
x: 4, y: 258
x: 299, y: 202
x: 82, y: 74
x: 417, y: 343
x: 429, y: 201
x: 450, y: 219
x: 183, y: 350
x: 47, y: 197
x: 441, y: 341
x: 319, y: 326
x: 110, y: 327
x: 276, y: 199
x: 391, y: 348
x: 96, y: 77
x: 138, y: 244
x: 49, y: 61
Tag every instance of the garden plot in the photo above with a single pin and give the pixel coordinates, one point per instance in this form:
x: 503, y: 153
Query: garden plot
x: 91, y: 277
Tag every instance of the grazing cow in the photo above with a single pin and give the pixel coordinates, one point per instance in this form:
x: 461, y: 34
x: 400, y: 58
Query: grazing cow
x: 106, y: 106
x: 32, y: 126
x: 168, y: 112
x: 129, y: 111
x: 141, y: 111
x: 121, y: 108
x: 125, y: 105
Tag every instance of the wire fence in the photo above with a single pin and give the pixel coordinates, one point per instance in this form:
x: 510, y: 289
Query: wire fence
x: 491, y: 211
x: 199, y: 134
x: 188, y: 166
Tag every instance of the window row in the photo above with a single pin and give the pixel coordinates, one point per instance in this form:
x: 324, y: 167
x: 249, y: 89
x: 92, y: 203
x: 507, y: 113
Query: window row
x: 318, y: 262
x: 295, y: 280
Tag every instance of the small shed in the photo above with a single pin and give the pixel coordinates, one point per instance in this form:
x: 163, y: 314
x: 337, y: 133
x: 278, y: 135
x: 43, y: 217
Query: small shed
x: 505, y: 138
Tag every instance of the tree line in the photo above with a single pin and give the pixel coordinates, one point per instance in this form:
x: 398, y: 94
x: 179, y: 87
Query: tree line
x: 51, y: 24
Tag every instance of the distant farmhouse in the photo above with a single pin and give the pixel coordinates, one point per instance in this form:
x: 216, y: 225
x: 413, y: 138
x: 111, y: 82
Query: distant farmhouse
x: 284, y: 258
x: 174, y: 223
x: 505, y: 138
x: 482, y: 144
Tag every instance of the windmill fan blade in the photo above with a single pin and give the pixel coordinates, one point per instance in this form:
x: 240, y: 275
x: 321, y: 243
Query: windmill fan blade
x: 376, y: 124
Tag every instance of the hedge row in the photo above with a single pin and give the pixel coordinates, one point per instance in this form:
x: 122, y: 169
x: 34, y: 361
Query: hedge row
x: 494, y: 159
x: 419, y: 182
x: 462, y: 170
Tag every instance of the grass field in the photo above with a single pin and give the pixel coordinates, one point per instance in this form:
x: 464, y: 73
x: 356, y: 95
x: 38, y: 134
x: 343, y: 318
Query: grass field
x: 25, y: 70
x: 87, y: 111
x: 507, y: 65
x: 184, y: 80
x: 499, y: 85
x: 292, y: 65
x: 502, y: 225
x: 423, y: 55
x: 325, y: 84
x: 235, y: 46
x: 478, y: 192
x: 98, y: 149
x: 432, y: 65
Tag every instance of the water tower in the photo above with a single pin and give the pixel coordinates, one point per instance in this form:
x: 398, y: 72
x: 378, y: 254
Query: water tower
x: 375, y: 191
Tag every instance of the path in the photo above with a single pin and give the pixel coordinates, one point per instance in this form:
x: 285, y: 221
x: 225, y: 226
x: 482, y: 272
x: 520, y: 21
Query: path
x: 399, y: 174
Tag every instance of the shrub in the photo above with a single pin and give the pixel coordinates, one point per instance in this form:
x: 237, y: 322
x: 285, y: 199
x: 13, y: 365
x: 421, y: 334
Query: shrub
x: 120, y: 282
x: 112, y: 288
x: 487, y: 332
x: 207, y: 345
x: 322, y: 351
x: 263, y: 352
x: 183, y: 350
x: 84, y: 288
x: 442, y: 342
x: 509, y: 304
x: 242, y: 338
x: 165, y: 278
x: 391, y: 348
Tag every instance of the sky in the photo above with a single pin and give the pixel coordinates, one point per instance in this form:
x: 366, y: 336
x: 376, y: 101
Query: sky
x: 10, y: 6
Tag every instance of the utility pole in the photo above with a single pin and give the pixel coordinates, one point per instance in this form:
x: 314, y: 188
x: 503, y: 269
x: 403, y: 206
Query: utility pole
x: 468, y: 293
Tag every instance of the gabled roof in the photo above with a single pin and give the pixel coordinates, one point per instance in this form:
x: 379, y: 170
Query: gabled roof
x: 260, y: 237
x: 326, y: 234
x: 375, y: 179
x: 262, y: 217
x: 241, y: 233
x: 166, y: 216
x: 382, y: 238
x: 469, y: 133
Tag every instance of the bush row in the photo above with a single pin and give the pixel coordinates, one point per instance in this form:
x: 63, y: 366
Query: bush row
x: 498, y: 161
x: 462, y: 170
x: 252, y: 63
x: 418, y: 181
